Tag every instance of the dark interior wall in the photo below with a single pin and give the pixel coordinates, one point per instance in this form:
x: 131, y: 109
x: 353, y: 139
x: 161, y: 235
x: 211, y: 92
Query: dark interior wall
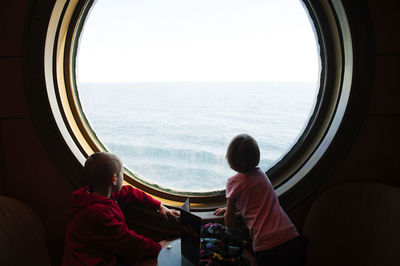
x: 374, y: 155
x: 28, y: 173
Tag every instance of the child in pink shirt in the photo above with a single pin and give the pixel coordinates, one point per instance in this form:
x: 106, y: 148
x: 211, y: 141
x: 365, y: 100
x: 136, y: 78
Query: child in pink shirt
x: 275, y: 239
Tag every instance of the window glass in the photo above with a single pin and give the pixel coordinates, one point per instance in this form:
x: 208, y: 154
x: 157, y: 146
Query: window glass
x: 166, y: 85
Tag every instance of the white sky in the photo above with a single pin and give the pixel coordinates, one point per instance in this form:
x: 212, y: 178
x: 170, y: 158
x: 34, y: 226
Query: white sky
x: 197, y: 40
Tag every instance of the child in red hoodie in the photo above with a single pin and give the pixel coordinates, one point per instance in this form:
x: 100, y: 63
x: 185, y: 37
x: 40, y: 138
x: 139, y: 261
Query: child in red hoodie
x: 97, y: 233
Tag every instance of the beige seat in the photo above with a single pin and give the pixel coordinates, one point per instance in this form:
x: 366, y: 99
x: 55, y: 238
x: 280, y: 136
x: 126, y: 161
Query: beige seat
x: 21, y: 235
x: 355, y: 224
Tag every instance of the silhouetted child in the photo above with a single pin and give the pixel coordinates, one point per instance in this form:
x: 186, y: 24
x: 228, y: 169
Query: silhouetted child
x: 275, y: 239
x: 96, y: 233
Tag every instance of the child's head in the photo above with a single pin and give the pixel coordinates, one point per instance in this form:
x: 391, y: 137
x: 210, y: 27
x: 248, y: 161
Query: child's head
x: 243, y: 153
x: 103, y: 169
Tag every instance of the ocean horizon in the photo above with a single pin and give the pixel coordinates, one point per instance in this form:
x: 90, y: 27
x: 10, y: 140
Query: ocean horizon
x: 175, y: 134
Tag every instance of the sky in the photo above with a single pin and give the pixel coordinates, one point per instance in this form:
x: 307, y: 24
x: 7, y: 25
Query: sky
x: 197, y: 41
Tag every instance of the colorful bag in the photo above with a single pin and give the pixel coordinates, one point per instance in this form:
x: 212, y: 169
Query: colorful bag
x: 219, y: 246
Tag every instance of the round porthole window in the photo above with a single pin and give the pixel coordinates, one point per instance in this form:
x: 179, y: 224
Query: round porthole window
x: 165, y: 86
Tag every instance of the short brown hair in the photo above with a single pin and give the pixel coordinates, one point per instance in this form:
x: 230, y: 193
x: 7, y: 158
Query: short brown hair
x: 243, y: 153
x: 100, y: 167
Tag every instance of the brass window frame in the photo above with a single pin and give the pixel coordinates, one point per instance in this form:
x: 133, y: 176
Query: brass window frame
x: 50, y: 87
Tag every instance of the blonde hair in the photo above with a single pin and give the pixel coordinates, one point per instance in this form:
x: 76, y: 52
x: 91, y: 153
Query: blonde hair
x: 243, y: 153
x: 100, y: 167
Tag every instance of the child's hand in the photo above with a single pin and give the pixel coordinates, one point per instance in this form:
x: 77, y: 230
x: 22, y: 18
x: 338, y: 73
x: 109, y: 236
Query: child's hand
x: 163, y: 243
x: 220, y: 211
x: 166, y: 213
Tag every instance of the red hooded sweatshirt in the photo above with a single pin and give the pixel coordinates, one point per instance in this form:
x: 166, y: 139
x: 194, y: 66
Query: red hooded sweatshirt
x: 97, y: 231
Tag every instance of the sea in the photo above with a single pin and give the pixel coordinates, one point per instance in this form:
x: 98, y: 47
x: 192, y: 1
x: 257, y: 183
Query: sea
x: 175, y: 134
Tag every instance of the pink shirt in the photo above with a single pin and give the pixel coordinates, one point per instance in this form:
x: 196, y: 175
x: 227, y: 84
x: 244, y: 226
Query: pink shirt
x: 268, y: 224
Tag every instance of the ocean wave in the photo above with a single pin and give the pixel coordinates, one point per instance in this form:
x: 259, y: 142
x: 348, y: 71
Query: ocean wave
x: 176, y: 134
x: 157, y: 154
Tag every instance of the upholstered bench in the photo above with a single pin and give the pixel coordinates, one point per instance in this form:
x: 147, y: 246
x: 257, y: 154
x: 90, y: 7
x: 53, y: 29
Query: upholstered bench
x: 21, y: 235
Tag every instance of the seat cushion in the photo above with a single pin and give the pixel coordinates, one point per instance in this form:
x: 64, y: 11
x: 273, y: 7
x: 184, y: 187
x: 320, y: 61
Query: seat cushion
x: 21, y: 235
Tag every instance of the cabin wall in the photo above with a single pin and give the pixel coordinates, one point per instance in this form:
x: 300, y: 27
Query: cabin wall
x: 374, y: 155
x: 28, y: 174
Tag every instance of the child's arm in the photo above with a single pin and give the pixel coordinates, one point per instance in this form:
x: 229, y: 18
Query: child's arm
x: 111, y: 234
x: 229, y: 216
x: 130, y: 195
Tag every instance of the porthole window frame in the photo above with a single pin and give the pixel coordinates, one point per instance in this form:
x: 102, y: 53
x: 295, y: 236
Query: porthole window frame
x: 56, y: 108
